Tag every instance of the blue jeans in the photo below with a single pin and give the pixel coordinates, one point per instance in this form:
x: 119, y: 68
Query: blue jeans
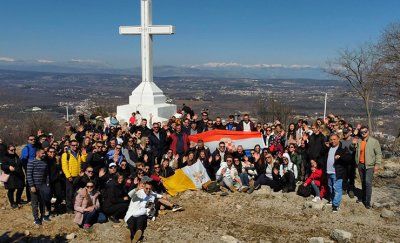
x: 316, y: 189
x: 245, y: 179
x: 335, y: 189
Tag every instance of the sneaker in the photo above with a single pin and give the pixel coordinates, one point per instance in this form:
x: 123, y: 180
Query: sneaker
x: 137, y: 236
x: 316, y: 199
x: 335, y: 209
x: 368, y: 206
x: 251, y: 190
x: 14, y: 205
x: 232, y: 189
x: 46, y: 218
x: 37, y: 222
x: 244, y: 189
x: 176, y: 207
x: 329, y: 203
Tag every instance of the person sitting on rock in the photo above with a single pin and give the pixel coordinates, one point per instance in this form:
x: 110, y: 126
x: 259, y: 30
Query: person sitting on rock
x: 228, y: 175
x: 115, y: 199
x: 288, y: 172
x: 87, y: 206
x: 316, y: 181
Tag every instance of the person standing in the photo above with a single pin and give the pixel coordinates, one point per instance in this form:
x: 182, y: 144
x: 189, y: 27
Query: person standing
x: 57, y: 178
x: 12, y: 166
x: 368, y: 158
x: 38, y: 179
x: 28, y: 153
x: 335, y: 163
x: 348, y: 180
x: 71, y: 162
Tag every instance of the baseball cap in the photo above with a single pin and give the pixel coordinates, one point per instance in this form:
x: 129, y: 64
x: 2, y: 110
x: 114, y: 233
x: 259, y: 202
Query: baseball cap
x: 112, y: 164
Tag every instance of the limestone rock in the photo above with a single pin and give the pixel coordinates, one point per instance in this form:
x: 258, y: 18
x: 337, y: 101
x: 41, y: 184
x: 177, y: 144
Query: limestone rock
x: 264, y: 190
x: 313, y: 205
x: 229, y: 239
x: 387, y: 213
x: 27, y: 232
x: 341, y: 236
x: 382, y: 204
x: 316, y: 240
x: 388, y: 174
x: 70, y: 236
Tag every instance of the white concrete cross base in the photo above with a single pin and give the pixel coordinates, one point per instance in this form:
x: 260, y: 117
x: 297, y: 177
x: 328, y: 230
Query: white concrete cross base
x: 148, y: 99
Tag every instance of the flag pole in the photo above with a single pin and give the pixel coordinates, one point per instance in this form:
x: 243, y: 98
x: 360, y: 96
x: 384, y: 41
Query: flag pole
x: 326, y: 97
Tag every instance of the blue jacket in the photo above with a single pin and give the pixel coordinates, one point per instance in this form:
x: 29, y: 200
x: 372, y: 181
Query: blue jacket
x: 28, y: 154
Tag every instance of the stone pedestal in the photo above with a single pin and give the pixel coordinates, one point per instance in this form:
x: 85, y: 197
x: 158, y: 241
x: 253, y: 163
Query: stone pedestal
x: 148, y: 99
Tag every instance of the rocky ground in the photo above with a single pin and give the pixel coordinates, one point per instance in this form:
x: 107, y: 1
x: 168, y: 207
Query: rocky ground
x: 260, y: 217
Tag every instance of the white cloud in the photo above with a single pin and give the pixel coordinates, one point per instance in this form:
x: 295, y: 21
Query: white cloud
x: 44, y: 61
x: 261, y: 65
x: 7, y: 59
x: 77, y: 60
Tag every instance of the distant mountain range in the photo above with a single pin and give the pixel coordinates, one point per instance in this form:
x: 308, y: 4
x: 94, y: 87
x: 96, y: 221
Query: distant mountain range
x: 212, y: 70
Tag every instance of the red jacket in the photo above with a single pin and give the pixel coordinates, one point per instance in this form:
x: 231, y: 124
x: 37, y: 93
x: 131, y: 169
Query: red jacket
x: 174, y: 142
x: 317, y: 177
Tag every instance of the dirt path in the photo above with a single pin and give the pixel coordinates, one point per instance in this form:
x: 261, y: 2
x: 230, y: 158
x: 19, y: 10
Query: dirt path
x: 260, y: 217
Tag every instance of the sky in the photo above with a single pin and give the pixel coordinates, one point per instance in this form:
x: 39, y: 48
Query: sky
x: 249, y: 32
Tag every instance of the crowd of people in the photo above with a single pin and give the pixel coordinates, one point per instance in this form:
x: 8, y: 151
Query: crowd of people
x: 112, y: 171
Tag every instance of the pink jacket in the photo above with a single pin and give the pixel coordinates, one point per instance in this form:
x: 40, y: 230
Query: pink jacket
x: 84, y: 200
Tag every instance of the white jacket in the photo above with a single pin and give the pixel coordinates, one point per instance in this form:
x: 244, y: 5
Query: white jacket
x: 231, y: 173
x: 289, y: 167
x: 139, y: 199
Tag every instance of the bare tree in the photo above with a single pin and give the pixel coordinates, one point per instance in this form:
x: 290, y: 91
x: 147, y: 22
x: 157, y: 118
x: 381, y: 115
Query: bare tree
x: 388, y: 49
x: 271, y: 110
x: 358, y: 67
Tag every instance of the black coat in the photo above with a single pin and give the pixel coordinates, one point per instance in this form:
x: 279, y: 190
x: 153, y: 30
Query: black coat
x: 339, y: 164
x: 158, y: 146
x: 113, y: 194
x: 316, y: 146
x: 17, y: 177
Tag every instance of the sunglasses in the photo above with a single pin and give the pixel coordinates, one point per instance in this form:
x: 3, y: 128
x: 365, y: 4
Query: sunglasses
x: 89, y: 186
x: 12, y: 150
x: 74, y: 145
x: 89, y: 171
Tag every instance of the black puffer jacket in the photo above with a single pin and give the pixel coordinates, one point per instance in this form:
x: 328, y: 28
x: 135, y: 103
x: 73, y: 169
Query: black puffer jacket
x: 17, y: 177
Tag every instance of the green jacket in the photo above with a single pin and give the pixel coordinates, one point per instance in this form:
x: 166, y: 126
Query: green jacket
x: 373, y: 153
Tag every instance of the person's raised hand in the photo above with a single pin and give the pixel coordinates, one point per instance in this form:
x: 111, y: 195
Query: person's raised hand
x: 102, y: 172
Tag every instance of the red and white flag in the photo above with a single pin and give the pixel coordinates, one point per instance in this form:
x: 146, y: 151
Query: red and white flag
x: 231, y: 138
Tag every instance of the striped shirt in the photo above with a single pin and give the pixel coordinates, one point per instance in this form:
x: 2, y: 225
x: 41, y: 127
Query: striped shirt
x: 37, y: 173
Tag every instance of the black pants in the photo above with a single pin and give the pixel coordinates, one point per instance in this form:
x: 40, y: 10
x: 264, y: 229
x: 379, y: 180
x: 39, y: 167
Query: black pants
x: 27, y: 188
x: 70, y: 194
x: 58, y: 191
x: 10, y: 195
x: 366, y: 176
x: 264, y: 180
x: 40, y: 201
x: 137, y: 223
x: 348, y: 178
x: 288, y: 182
x: 117, y: 210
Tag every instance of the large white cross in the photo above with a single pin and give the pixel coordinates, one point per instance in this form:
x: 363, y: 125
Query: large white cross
x: 147, y: 30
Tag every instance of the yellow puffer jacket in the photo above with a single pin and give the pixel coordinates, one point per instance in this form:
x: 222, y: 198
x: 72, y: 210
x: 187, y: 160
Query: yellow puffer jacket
x: 72, y: 167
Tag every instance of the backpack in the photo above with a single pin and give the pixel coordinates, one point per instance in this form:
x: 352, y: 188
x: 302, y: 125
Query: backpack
x: 304, y: 191
x: 211, y: 186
